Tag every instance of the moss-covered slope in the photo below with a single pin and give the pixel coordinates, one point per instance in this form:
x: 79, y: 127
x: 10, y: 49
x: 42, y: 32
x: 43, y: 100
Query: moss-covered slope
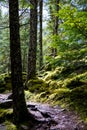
x: 66, y: 86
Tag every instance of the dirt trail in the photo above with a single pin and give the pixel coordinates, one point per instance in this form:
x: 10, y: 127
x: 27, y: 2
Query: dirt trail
x: 50, y: 117
x: 55, y: 118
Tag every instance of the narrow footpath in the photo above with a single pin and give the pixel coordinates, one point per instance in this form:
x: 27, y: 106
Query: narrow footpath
x: 49, y: 117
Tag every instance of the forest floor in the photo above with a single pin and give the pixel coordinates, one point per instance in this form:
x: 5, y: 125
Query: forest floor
x: 48, y: 117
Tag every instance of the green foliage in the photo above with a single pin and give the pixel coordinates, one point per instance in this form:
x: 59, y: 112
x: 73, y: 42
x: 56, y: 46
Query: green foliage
x: 74, y: 21
x: 71, y: 39
x: 4, y: 44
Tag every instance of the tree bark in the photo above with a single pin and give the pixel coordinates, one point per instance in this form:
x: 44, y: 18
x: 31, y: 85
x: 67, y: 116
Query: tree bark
x: 56, y: 18
x: 56, y: 24
x: 20, y: 112
x: 40, y: 35
x: 33, y: 41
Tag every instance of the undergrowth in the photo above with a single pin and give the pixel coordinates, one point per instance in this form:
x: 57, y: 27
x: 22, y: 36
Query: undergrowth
x: 62, y: 85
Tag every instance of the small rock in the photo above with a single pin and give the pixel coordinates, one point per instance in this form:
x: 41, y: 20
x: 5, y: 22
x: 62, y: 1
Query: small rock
x: 2, y: 127
x: 24, y: 127
x: 10, y: 96
x: 6, y: 103
x: 75, y: 128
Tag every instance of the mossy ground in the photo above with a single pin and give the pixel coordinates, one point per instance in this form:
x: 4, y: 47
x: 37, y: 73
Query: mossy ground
x: 5, y: 82
x: 10, y: 125
x: 5, y: 114
x: 64, y: 86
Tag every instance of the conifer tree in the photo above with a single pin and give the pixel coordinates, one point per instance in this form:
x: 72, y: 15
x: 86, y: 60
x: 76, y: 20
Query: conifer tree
x: 32, y: 40
x: 20, y: 112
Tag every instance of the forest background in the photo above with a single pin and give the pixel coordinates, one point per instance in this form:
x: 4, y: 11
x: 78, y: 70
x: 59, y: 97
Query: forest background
x: 60, y: 61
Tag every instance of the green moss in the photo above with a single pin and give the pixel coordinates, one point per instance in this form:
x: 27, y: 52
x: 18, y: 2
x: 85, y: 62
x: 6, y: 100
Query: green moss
x: 24, y: 75
x: 67, y: 87
x: 53, y: 75
x: 5, y: 81
x: 75, y: 81
x: 75, y: 99
x: 37, y: 85
x: 59, y: 94
x: 72, y: 83
x: 78, y: 100
x: 2, y: 85
x: 5, y: 114
x: 28, y: 95
x: 37, y: 97
x: 48, y: 67
x: 53, y: 85
x: 66, y: 71
x: 40, y: 97
x: 10, y: 126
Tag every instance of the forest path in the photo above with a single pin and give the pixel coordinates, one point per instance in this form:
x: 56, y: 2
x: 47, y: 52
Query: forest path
x: 49, y: 117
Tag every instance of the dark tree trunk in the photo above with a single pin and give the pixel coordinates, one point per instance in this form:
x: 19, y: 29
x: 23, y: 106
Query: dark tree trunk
x: 20, y: 112
x: 56, y: 18
x: 40, y: 35
x: 33, y: 40
x: 56, y: 23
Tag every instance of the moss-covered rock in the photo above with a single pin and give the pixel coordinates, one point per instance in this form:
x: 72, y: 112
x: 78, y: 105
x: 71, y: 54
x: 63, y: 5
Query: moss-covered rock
x: 5, y: 114
x: 8, y: 85
x: 24, y: 76
x: 54, y: 75
x: 28, y: 95
x: 37, y: 85
x: 2, y: 86
x: 53, y: 85
x: 48, y: 67
x: 72, y: 83
x: 10, y: 126
x: 78, y: 99
x: 5, y: 81
x: 75, y: 81
x: 58, y: 95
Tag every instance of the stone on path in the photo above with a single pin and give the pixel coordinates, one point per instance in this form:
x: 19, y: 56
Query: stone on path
x: 2, y: 127
x: 5, y: 102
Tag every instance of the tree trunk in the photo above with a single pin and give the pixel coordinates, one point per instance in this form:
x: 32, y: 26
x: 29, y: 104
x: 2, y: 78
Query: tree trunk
x: 33, y: 40
x: 40, y: 35
x: 20, y: 112
x: 56, y: 18
x: 55, y: 32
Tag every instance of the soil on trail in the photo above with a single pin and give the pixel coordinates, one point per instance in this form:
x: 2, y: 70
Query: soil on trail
x: 55, y: 118
x: 50, y: 117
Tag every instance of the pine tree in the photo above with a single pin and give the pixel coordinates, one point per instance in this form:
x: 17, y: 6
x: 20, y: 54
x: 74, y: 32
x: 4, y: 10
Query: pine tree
x: 20, y: 112
x: 33, y: 40
x: 40, y: 34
